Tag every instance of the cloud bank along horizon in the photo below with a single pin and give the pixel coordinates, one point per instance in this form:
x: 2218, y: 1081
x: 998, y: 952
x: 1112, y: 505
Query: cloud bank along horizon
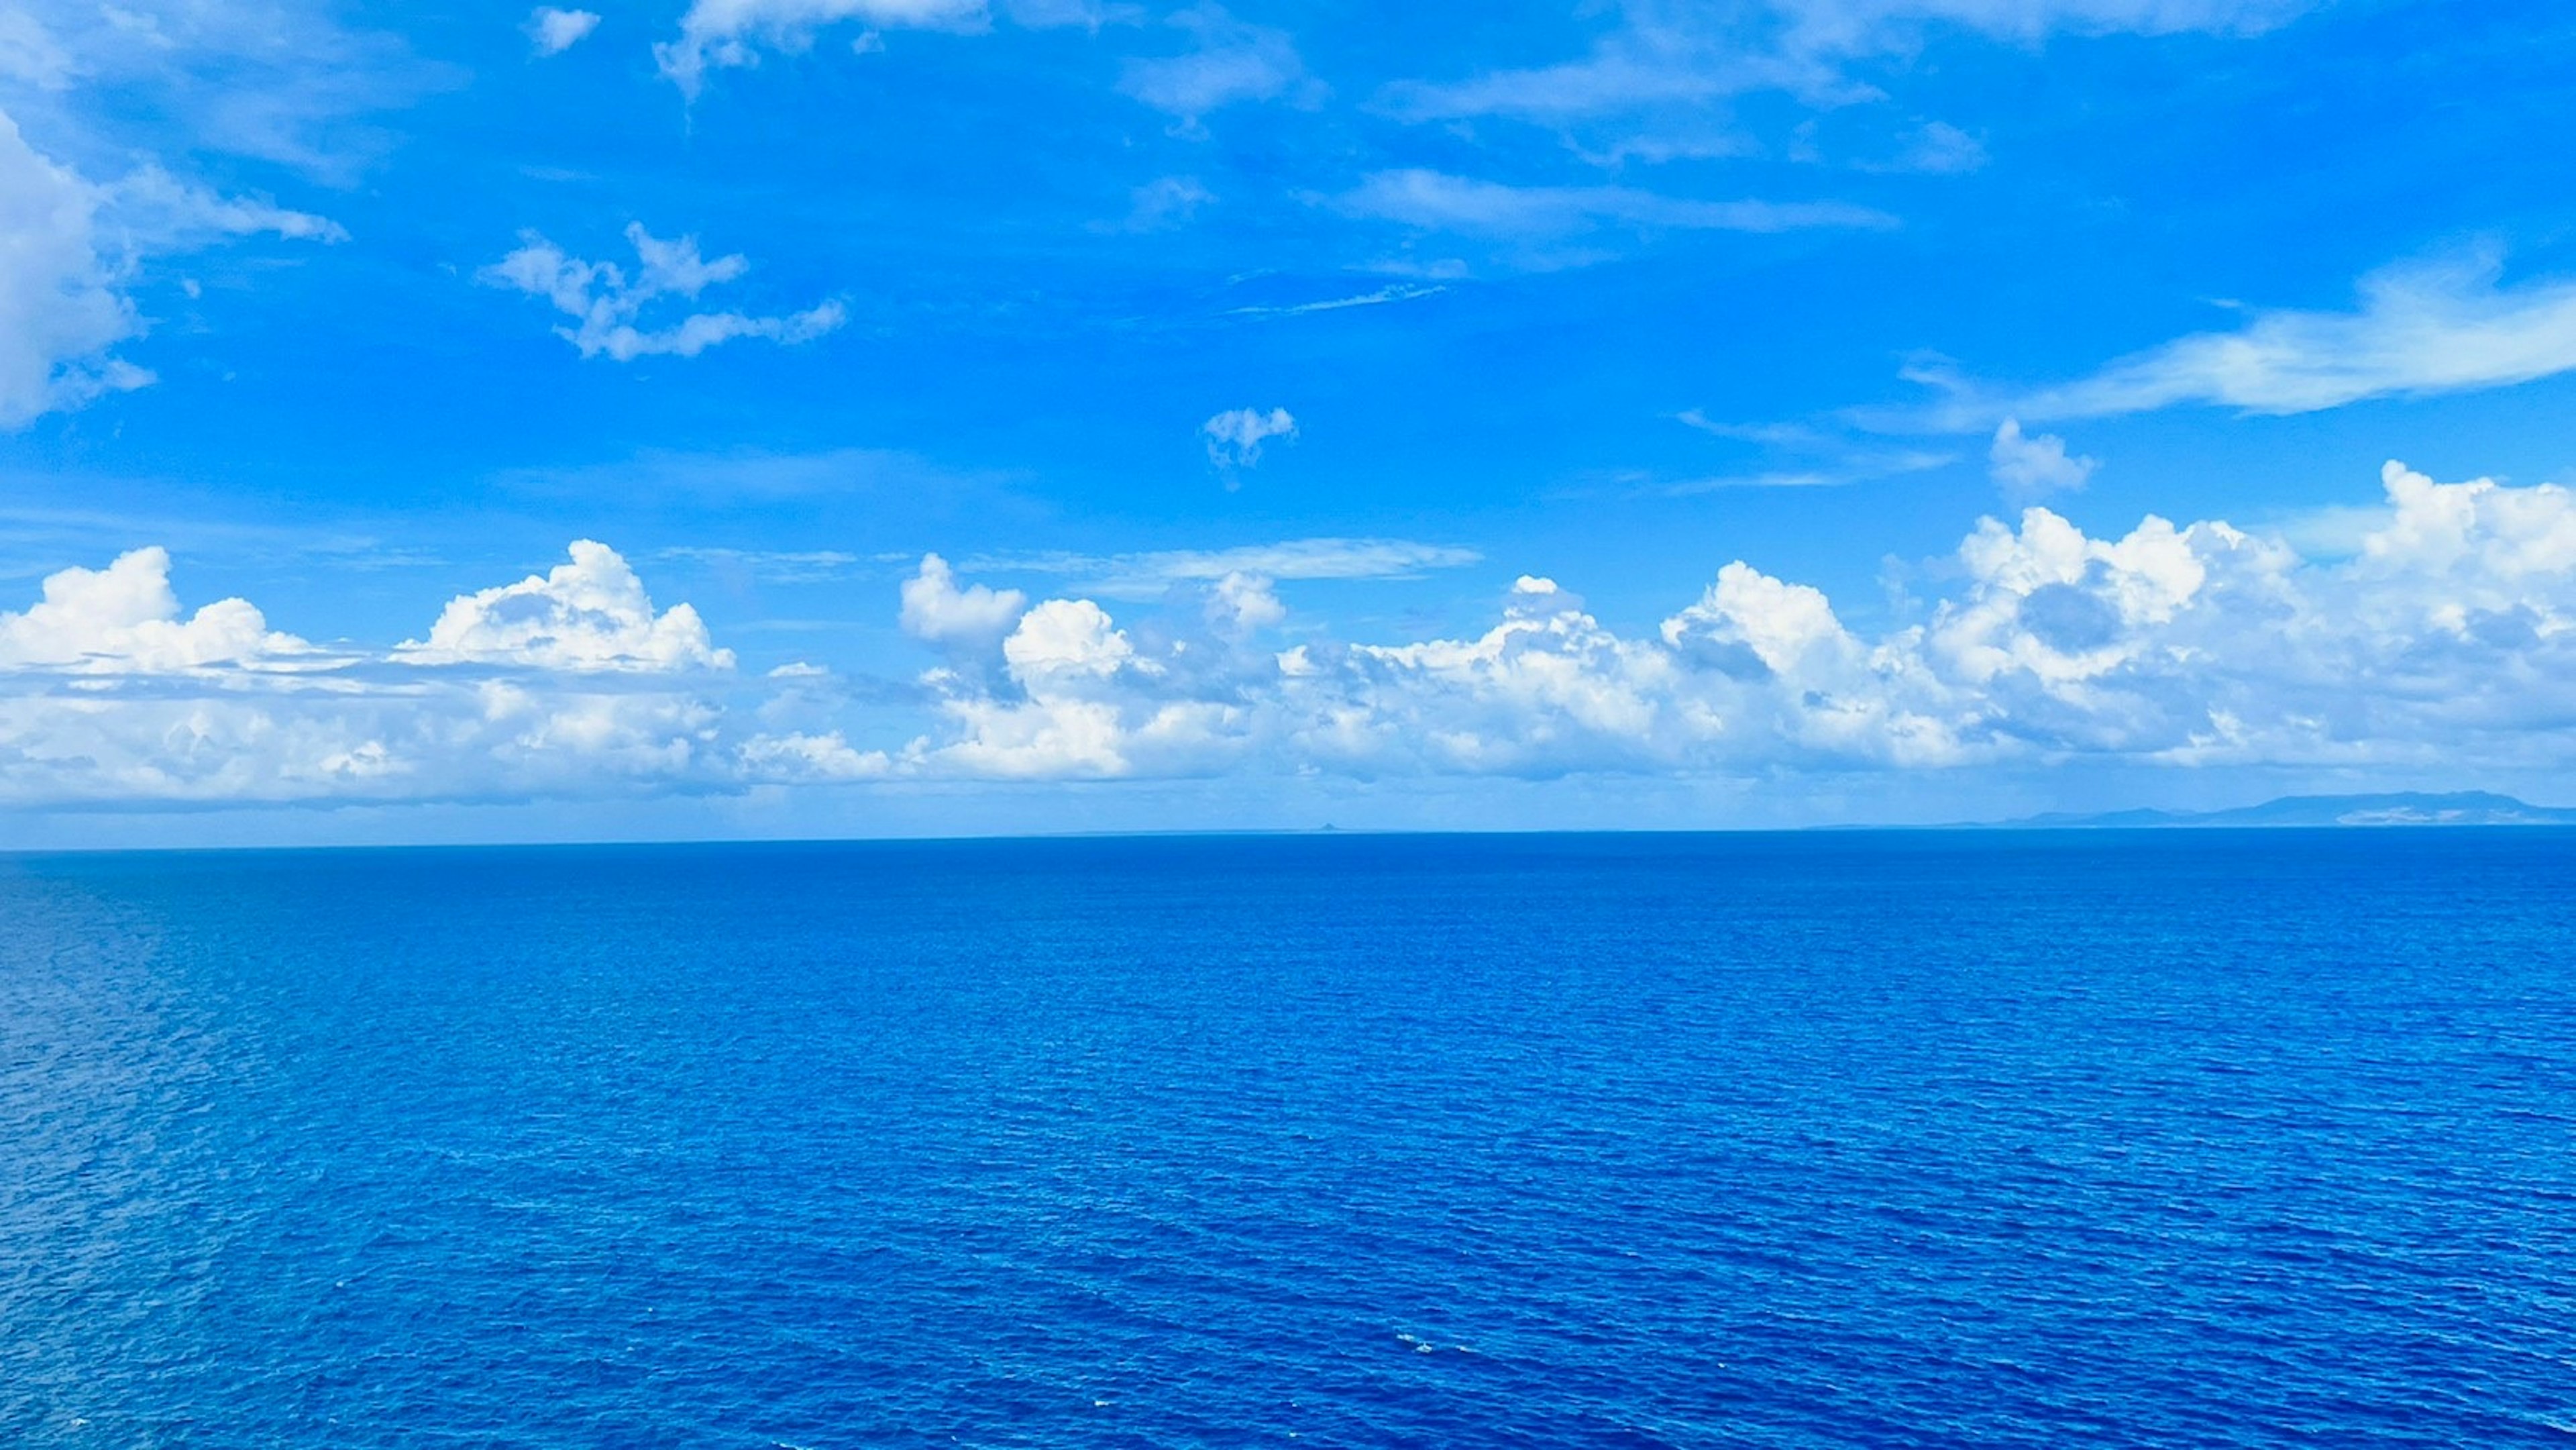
x: 2447, y: 636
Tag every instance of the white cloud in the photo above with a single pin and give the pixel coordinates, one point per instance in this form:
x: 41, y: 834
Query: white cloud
x: 1937, y: 148
x: 111, y: 693
x: 1149, y: 575
x: 799, y: 757
x: 608, y: 305
x: 1230, y: 62
x: 2028, y: 467
x: 589, y: 614
x: 125, y: 619
x: 73, y: 250
x: 726, y: 33
x: 1688, y: 55
x: 784, y: 566
x: 1855, y: 26
x: 1240, y: 604
x: 2422, y: 328
x: 1667, y: 79
x: 1435, y: 201
x: 1234, y: 437
x: 1377, y: 297
x: 30, y: 55
x: 2445, y: 642
x: 935, y: 609
x: 60, y: 309
x: 1166, y: 201
x: 554, y: 31
x: 2448, y: 641
x: 277, y: 80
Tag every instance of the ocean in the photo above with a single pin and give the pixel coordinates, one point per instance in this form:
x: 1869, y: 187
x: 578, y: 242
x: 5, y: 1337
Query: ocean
x: 2183, y: 1138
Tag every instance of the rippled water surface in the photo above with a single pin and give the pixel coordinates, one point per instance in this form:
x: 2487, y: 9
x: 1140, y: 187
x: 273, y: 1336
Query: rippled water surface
x: 2172, y: 1139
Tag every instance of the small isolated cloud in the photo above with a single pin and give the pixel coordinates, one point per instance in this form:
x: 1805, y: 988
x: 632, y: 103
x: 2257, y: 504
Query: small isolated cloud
x: 1436, y: 201
x: 1939, y: 149
x: 717, y: 34
x: 935, y: 609
x: 1166, y: 201
x: 2443, y: 326
x: 1234, y: 437
x: 1229, y: 62
x: 555, y: 31
x: 608, y: 305
x: 2026, y: 467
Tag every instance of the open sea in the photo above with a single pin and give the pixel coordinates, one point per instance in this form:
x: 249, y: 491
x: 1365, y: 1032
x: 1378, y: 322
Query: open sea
x: 2218, y: 1138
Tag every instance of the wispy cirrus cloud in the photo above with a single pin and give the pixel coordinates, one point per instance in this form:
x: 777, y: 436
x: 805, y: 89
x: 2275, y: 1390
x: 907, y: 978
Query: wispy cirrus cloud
x: 1229, y: 62
x: 1687, y: 53
x: 1437, y: 201
x: 734, y: 475
x: 1160, y: 204
x: 781, y: 566
x: 607, y: 304
x: 1376, y: 297
x: 1794, y: 455
x: 720, y: 34
x: 2442, y: 326
x: 2420, y: 329
x: 1664, y: 80
x: 1148, y: 575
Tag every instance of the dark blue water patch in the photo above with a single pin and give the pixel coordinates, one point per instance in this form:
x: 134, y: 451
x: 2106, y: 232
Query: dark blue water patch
x: 2234, y: 1139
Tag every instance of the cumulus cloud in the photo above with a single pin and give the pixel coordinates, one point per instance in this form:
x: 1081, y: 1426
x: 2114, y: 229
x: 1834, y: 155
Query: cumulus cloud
x: 799, y: 757
x: 60, y: 310
x: 2449, y: 639
x: 607, y: 305
x: 1229, y: 62
x: 2440, y: 326
x: 715, y: 34
x: 125, y: 619
x: 935, y: 609
x: 2028, y: 467
x: 1436, y: 201
x: 2445, y: 641
x: 112, y: 693
x: 75, y: 249
x: 588, y: 614
x: 553, y: 31
x: 1234, y: 437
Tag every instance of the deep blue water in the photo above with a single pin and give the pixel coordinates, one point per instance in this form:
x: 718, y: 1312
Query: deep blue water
x: 2172, y: 1139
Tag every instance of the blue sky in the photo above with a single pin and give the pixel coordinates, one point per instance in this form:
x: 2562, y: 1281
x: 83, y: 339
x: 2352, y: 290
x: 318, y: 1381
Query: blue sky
x: 1243, y: 359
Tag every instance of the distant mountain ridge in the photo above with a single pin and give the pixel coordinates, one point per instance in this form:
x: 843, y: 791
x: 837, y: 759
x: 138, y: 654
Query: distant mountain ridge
x: 2403, y: 808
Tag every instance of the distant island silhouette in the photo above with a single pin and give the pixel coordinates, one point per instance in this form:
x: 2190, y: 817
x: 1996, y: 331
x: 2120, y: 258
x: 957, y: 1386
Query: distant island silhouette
x: 2402, y: 808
